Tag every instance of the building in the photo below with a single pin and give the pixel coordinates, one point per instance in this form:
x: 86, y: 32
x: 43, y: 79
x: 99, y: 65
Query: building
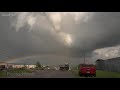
x: 16, y: 66
x: 2, y: 66
x: 112, y: 64
x: 31, y: 66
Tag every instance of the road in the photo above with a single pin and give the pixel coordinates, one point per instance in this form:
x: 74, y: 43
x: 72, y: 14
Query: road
x: 48, y: 74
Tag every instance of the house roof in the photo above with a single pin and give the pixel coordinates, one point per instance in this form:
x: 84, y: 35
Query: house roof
x: 2, y: 63
x: 99, y: 60
x: 111, y: 59
x: 117, y: 58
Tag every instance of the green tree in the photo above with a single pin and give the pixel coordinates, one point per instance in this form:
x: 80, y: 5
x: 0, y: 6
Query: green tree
x: 38, y: 65
x: 25, y: 67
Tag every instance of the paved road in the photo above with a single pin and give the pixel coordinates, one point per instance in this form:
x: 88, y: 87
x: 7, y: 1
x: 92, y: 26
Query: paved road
x: 49, y: 74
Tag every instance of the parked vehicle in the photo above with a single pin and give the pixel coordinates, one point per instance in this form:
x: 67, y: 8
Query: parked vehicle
x: 64, y: 67
x: 87, y: 70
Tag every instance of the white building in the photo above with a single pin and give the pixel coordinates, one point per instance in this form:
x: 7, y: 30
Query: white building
x: 31, y: 66
x: 18, y: 66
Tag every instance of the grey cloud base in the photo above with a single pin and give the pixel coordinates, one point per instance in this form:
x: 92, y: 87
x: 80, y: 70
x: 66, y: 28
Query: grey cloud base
x: 101, y: 31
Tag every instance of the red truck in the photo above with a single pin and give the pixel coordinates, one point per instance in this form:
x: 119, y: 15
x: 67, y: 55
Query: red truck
x: 87, y: 70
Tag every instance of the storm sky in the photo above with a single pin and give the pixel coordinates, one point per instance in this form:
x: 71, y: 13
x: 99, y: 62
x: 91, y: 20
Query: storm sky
x: 60, y: 33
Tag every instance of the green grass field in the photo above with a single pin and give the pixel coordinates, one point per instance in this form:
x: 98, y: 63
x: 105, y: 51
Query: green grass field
x: 100, y: 74
x: 106, y: 74
x: 2, y: 73
x: 14, y: 71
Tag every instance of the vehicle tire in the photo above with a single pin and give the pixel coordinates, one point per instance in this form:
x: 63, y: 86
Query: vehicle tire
x: 80, y: 74
x: 94, y: 75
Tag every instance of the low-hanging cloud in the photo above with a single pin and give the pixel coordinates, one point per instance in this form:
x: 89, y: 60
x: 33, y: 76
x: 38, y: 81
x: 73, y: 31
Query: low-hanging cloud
x: 64, y: 32
x: 53, y: 22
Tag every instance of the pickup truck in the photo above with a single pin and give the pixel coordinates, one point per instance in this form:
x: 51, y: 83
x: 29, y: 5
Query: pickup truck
x: 87, y: 70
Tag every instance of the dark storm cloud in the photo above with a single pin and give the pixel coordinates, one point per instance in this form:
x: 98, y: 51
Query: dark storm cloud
x: 102, y: 30
x: 19, y: 43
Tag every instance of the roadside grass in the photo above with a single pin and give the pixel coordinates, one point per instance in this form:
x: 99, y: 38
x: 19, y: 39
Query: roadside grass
x: 106, y: 74
x: 2, y: 73
x: 19, y: 71
x: 14, y: 71
x: 75, y: 72
x: 99, y: 74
